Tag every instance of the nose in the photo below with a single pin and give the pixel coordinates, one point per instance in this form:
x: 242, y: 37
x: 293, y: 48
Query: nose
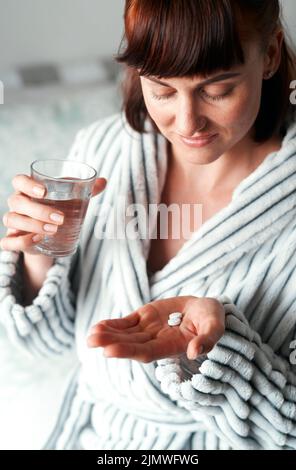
x: 189, y: 120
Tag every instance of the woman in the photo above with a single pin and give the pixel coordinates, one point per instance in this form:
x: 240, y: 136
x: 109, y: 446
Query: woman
x: 207, y: 120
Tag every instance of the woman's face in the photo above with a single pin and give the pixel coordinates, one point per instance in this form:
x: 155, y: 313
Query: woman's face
x: 225, y: 108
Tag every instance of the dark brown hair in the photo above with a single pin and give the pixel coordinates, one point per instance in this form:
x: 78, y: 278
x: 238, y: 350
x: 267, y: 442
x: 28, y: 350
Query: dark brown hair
x: 175, y: 38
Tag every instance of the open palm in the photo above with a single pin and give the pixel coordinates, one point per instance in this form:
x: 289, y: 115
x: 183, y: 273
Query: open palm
x: 145, y: 335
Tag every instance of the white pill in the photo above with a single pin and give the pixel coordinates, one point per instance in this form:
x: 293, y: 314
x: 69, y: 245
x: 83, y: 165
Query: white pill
x: 175, y: 315
x: 174, y: 321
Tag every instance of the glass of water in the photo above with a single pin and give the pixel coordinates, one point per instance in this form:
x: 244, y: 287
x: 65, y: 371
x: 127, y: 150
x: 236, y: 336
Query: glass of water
x: 69, y: 187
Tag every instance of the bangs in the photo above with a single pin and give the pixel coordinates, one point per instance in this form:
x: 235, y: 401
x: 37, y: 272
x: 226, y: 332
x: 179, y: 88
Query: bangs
x: 181, y: 37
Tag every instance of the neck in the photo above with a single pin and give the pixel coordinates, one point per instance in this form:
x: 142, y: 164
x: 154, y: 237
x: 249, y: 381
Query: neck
x: 225, y: 172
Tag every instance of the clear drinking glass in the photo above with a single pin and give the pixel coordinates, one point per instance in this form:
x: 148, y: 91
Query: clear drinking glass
x: 68, y: 186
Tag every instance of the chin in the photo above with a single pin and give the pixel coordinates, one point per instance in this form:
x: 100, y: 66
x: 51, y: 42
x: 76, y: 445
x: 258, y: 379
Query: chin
x: 200, y: 156
x: 202, y: 160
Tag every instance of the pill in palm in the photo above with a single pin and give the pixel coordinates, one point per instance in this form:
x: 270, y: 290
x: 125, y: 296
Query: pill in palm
x: 174, y: 321
x: 175, y: 315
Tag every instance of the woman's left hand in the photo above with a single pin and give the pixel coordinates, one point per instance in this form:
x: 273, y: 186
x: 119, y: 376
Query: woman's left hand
x: 145, y: 335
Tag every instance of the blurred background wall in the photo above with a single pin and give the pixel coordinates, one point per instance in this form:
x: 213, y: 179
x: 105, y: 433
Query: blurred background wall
x: 57, y: 30
x: 57, y: 67
x: 289, y: 10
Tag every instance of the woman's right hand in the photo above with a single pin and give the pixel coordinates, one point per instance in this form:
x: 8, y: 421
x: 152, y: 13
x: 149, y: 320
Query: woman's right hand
x: 28, y: 221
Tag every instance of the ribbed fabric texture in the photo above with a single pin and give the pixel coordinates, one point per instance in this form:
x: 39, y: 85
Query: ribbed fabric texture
x: 243, y: 396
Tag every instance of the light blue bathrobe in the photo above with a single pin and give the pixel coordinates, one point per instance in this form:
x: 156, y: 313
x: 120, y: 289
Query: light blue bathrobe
x: 244, y: 394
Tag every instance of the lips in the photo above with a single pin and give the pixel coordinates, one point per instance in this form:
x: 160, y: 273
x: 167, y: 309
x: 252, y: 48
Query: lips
x: 199, y: 138
x: 199, y: 141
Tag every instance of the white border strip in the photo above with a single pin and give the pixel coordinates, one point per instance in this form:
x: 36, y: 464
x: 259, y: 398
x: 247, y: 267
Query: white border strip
x: 1, y: 92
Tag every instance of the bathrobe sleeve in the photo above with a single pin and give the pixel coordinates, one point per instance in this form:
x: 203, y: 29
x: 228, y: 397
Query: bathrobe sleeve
x: 46, y: 327
x: 243, y: 392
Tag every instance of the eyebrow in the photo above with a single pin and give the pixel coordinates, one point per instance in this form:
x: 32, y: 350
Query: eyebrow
x: 218, y: 78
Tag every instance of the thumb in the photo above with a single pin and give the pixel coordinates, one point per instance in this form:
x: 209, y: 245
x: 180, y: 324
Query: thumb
x: 99, y: 186
x: 205, y: 340
x: 195, y: 348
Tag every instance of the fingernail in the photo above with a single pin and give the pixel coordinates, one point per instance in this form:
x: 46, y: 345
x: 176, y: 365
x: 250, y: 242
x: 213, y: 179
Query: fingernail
x: 57, y: 217
x: 37, y: 238
x: 50, y: 228
x: 107, y: 354
x: 39, y: 191
x: 200, y: 350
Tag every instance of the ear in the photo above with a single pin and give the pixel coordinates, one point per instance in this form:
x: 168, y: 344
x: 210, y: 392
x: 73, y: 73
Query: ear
x: 274, y: 52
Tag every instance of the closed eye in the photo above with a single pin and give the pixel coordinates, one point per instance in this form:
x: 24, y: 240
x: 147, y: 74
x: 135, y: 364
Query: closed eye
x: 161, y: 97
x: 216, y: 97
x: 206, y: 95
